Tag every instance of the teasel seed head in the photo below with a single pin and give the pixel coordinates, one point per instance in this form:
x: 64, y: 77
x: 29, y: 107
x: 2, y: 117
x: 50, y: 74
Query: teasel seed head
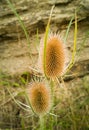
x: 55, y: 56
x: 40, y: 98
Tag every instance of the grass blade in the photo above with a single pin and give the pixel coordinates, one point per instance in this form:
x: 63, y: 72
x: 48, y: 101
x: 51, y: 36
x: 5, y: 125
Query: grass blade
x: 67, y: 32
x: 74, y: 46
x: 19, y: 19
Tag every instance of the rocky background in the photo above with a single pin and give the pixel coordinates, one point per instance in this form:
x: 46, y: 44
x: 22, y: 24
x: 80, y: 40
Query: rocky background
x: 16, y: 53
x: 14, y: 50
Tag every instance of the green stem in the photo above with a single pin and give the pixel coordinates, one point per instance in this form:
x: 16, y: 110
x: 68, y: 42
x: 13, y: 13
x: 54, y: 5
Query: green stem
x: 53, y: 102
x: 52, y: 89
x: 41, y: 122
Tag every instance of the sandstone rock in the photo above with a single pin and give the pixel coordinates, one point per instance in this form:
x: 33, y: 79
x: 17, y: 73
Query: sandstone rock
x: 14, y: 51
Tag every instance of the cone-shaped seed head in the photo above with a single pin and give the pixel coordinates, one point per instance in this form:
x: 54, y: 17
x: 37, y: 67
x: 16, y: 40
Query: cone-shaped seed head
x: 55, y: 57
x: 40, y: 98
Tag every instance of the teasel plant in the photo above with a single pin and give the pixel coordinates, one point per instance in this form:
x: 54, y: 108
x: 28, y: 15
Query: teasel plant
x: 53, y: 55
x: 40, y: 99
x: 52, y: 61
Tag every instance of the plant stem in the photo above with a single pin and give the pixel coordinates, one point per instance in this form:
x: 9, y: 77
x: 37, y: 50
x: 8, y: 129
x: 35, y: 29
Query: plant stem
x: 41, y: 122
x: 53, y: 101
x: 52, y: 89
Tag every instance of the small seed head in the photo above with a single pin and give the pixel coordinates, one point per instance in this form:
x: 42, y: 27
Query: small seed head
x: 40, y: 98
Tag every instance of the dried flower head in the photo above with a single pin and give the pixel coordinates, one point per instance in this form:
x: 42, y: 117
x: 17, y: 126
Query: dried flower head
x: 55, y: 56
x: 40, y: 98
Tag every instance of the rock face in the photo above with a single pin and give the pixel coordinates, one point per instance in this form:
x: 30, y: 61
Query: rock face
x: 14, y: 50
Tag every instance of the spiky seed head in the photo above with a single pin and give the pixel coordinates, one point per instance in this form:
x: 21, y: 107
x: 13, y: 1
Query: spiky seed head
x: 40, y: 98
x: 55, y: 56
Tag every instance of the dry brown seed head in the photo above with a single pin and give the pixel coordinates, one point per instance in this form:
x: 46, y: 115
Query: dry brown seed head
x: 40, y: 98
x: 55, y: 57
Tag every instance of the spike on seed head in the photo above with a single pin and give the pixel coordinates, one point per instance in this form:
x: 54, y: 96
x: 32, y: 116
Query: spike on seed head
x: 40, y: 98
x: 55, y: 56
